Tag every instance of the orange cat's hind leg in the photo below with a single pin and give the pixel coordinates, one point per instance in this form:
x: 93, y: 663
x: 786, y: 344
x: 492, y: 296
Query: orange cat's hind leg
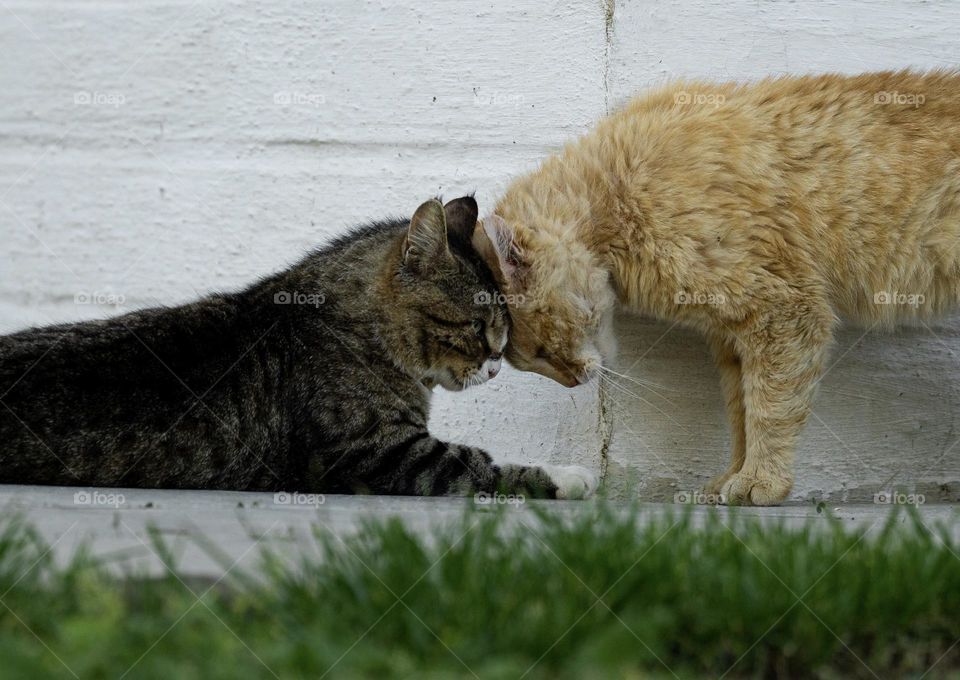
x: 782, y: 351
x: 731, y: 383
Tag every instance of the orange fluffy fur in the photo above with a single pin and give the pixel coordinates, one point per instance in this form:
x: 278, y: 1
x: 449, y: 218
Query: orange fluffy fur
x: 759, y: 214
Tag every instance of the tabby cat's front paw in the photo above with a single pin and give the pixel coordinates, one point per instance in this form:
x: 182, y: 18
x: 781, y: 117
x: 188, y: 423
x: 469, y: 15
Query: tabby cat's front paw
x: 752, y: 489
x: 572, y: 481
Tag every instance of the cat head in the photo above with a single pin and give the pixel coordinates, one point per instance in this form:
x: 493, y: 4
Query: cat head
x: 560, y: 299
x: 449, y: 320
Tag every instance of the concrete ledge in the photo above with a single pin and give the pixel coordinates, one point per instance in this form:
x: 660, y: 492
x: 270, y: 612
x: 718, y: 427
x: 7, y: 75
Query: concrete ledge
x: 214, y: 532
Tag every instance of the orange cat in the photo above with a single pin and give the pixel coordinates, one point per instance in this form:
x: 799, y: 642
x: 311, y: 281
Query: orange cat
x: 759, y: 214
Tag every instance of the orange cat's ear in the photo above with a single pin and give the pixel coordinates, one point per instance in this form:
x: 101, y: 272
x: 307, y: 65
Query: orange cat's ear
x: 495, y: 242
x: 427, y: 236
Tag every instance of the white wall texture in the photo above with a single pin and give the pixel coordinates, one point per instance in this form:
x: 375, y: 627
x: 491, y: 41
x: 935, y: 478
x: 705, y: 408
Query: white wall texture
x: 153, y: 151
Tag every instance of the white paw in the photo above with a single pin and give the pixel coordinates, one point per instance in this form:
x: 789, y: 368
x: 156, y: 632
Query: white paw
x: 573, y: 481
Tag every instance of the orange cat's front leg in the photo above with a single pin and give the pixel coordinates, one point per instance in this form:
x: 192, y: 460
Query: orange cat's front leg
x: 731, y: 383
x: 782, y: 353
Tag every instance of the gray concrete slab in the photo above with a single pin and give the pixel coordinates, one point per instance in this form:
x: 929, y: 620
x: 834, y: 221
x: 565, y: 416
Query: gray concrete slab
x: 211, y: 533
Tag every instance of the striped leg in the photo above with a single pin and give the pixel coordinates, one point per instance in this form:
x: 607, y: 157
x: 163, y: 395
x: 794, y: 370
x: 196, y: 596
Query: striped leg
x: 416, y: 463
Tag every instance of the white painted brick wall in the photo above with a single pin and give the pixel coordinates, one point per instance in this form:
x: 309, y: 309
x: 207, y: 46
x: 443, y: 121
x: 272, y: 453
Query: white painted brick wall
x: 159, y: 150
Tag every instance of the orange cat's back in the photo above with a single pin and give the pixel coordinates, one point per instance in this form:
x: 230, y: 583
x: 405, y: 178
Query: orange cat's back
x: 849, y: 182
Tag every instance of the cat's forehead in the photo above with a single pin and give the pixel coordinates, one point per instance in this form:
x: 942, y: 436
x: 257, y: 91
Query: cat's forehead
x: 530, y: 332
x: 554, y: 323
x: 465, y: 292
x: 465, y: 274
x: 558, y: 304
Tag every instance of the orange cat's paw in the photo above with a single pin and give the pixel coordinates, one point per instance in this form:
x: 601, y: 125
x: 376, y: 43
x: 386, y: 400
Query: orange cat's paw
x: 746, y: 489
x: 715, y: 486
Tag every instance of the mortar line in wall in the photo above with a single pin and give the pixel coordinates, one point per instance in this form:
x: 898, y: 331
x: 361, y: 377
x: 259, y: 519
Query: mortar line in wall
x: 609, y: 9
x: 604, y: 421
x: 605, y: 430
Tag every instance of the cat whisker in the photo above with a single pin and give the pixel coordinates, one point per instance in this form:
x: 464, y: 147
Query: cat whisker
x: 621, y: 388
x: 648, y: 403
x: 639, y: 383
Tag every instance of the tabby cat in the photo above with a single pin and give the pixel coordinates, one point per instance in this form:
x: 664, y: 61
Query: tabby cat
x: 316, y: 379
x: 759, y: 214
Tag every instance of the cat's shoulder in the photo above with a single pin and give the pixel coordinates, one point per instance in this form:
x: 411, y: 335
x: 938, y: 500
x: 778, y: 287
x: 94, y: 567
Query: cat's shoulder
x: 364, y: 234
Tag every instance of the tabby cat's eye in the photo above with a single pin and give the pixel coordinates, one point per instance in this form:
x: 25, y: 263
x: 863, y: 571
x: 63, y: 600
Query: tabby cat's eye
x: 477, y: 326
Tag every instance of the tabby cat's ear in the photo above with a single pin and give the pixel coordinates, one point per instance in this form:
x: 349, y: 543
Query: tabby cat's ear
x: 427, y: 236
x: 493, y: 239
x: 462, y: 217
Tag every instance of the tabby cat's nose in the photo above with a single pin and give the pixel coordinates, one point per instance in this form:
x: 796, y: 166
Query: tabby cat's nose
x: 494, y: 366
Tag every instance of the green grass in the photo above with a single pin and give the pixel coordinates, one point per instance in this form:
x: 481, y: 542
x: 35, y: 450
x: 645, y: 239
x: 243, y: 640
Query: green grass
x: 500, y: 600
